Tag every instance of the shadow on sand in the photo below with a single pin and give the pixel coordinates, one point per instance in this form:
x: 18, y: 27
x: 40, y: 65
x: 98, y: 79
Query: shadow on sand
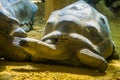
x: 40, y: 67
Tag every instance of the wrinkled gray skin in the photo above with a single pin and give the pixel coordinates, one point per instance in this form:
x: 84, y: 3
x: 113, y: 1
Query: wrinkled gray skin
x: 77, y: 35
x: 9, y: 46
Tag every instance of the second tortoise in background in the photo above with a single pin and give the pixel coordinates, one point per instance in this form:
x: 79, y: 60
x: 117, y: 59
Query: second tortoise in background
x: 77, y: 35
x: 24, y: 11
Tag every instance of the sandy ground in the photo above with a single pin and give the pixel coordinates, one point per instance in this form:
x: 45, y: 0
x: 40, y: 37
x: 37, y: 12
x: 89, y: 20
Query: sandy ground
x: 37, y: 71
x: 40, y: 71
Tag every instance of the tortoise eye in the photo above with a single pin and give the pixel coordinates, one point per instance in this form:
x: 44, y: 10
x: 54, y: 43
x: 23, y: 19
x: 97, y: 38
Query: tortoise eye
x: 102, y: 20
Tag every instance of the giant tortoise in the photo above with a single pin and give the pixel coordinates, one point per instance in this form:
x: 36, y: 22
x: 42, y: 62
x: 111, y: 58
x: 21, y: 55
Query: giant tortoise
x: 24, y: 11
x: 77, y: 35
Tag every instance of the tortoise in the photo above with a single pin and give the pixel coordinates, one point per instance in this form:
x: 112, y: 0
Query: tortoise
x: 22, y: 10
x: 77, y: 35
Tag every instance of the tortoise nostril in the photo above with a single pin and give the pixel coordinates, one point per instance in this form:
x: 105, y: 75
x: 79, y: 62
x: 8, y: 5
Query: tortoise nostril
x: 22, y: 42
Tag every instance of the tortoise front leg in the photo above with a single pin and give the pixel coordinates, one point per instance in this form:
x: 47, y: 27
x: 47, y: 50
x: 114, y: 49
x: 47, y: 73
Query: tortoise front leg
x: 92, y: 59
